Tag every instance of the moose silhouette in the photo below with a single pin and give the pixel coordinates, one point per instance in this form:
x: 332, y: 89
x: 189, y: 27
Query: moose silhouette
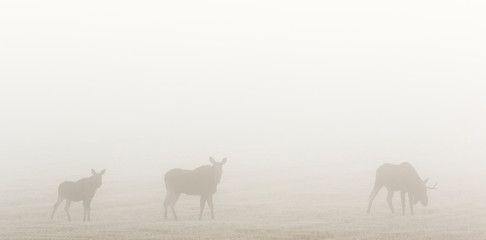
x: 82, y: 190
x: 403, y: 178
x: 201, y: 181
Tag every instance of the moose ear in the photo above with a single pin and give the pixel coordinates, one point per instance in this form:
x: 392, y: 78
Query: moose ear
x: 93, y: 171
x: 425, y: 181
x: 224, y: 160
x: 211, y: 159
x: 103, y: 171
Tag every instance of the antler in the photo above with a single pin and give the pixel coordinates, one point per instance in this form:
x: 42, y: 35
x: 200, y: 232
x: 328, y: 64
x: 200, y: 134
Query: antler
x: 433, y: 187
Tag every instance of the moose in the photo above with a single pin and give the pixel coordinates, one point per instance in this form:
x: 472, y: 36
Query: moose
x: 400, y: 177
x: 82, y: 190
x: 202, y: 181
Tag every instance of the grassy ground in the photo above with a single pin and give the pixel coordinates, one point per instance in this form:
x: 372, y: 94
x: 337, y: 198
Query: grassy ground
x: 305, y: 207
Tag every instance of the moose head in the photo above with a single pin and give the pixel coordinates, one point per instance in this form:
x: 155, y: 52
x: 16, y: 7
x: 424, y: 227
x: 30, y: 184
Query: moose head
x: 97, y: 177
x: 421, y: 193
x: 217, y: 168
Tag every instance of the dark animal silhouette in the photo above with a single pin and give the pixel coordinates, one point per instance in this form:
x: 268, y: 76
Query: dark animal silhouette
x: 201, y: 181
x: 403, y: 178
x: 82, y: 190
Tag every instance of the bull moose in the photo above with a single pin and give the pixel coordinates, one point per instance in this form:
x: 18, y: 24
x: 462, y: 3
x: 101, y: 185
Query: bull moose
x: 400, y: 177
x: 201, y: 181
x: 82, y: 190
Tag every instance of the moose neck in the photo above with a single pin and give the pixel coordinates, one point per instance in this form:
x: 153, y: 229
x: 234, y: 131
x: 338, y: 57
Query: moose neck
x: 91, y: 181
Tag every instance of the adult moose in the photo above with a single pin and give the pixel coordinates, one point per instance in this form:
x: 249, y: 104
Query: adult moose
x: 82, y: 190
x: 201, y: 181
x: 403, y: 178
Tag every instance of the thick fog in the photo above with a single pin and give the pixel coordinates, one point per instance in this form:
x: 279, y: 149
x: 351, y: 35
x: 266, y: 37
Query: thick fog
x: 136, y: 88
x: 306, y: 99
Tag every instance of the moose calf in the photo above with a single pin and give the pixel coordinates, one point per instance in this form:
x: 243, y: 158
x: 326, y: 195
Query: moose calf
x: 82, y: 190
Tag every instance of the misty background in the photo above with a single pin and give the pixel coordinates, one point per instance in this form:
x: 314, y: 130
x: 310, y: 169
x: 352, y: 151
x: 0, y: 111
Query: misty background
x: 278, y: 87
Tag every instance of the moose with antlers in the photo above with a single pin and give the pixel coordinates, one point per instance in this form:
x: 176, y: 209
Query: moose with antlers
x: 403, y: 178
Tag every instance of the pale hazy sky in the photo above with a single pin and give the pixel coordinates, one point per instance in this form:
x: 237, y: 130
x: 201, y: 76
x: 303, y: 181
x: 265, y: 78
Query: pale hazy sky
x: 154, y: 84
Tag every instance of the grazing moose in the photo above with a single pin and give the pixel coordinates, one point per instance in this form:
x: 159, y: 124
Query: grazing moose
x: 201, y: 181
x: 82, y: 190
x: 403, y: 178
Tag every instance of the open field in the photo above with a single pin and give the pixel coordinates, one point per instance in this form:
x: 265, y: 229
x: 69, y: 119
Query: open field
x: 256, y: 207
x: 305, y: 99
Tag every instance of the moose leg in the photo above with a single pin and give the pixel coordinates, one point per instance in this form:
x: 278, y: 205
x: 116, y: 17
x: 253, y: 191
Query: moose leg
x: 210, y: 203
x: 87, y: 209
x: 166, y: 204
x: 66, y: 209
x: 202, y: 203
x: 410, y: 199
x: 174, y: 198
x: 56, y: 205
x: 389, y: 199
x: 402, y: 196
x: 375, y: 191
